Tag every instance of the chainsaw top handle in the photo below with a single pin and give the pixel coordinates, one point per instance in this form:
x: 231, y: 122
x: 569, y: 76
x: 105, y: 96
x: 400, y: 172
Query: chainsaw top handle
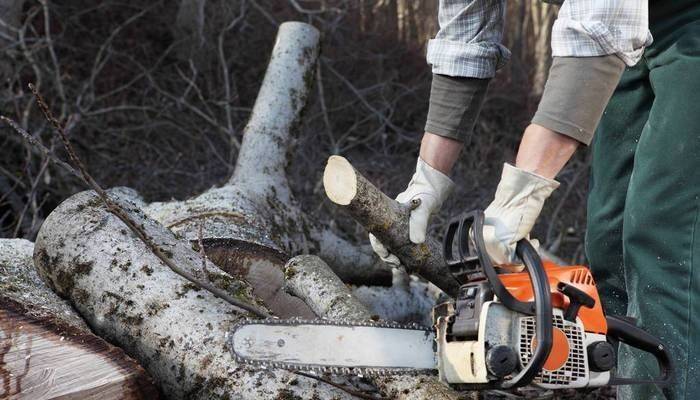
x: 472, y: 263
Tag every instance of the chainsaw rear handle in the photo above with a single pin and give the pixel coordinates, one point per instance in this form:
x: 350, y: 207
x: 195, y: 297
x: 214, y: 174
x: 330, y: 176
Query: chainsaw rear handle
x: 630, y: 334
x: 466, y: 265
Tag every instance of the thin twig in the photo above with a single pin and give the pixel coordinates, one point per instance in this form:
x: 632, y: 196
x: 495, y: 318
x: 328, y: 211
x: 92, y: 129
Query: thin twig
x: 324, y: 109
x: 30, y: 197
x: 362, y: 98
x: 52, y: 52
x: 12, y: 177
x: 303, y: 10
x: 235, y: 143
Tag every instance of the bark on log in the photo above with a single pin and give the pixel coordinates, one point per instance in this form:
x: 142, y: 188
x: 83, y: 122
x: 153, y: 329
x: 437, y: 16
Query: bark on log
x: 310, y: 271
x: 127, y: 295
x: 46, y: 350
x: 311, y: 279
x: 387, y: 220
x: 255, y: 208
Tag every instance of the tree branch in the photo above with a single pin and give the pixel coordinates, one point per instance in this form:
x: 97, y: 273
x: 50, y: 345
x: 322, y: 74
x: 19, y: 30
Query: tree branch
x: 387, y: 220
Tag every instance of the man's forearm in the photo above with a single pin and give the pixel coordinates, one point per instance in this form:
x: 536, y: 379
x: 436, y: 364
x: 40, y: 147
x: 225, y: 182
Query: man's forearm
x: 440, y: 152
x: 544, y: 151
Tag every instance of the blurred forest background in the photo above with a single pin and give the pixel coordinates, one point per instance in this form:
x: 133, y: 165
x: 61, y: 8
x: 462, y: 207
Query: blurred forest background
x: 156, y: 94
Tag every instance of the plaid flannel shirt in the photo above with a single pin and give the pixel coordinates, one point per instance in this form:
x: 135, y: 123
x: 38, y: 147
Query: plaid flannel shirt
x: 468, y: 43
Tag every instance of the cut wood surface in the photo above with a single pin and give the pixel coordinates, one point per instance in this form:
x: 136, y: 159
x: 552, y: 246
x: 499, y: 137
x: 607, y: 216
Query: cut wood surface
x: 387, y: 219
x: 46, y: 350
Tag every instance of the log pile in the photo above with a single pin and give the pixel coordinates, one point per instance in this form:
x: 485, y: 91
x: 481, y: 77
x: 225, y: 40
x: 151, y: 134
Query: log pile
x: 239, y: 238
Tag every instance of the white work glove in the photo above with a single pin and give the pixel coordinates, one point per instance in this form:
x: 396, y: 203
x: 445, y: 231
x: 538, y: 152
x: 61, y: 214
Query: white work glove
x: 432, y: 188
x: 512, y: 214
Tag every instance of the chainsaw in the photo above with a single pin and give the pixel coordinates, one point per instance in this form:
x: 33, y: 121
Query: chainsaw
x: 543, y: 327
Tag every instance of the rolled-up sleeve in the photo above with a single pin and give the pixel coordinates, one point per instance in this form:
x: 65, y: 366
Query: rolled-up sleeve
x: 586, y: 28
x: 468, y: 43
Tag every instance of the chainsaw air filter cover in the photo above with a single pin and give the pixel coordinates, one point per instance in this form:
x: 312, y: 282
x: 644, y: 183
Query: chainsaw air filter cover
x: 567, y: 364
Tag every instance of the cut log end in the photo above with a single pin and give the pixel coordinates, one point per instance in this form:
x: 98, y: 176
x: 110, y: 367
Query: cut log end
x: 340, y: 180
x: 262, y: 268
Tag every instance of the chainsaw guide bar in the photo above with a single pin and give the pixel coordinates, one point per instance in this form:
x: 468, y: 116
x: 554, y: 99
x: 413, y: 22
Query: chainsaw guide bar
x: 325, y: 346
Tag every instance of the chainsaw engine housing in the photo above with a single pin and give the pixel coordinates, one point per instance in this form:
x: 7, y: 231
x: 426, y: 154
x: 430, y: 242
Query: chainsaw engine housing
x: 479, y: 340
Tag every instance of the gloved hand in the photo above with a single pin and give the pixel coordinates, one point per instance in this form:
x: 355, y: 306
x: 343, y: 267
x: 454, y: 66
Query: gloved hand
x: 432, y: 188
x: 513, y: 212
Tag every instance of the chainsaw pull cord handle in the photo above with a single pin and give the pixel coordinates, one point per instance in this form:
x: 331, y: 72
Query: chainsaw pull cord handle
x: 632, y: 335
x: 472, y: 224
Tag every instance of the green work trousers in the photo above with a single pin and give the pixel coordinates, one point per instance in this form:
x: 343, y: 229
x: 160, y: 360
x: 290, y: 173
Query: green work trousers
x: 643, y: 238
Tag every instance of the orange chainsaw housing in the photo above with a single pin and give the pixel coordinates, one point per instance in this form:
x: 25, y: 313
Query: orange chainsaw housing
x: 518, y: 284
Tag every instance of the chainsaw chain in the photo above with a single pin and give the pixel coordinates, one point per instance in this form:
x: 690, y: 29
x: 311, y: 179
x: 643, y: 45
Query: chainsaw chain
x: 319, y: 369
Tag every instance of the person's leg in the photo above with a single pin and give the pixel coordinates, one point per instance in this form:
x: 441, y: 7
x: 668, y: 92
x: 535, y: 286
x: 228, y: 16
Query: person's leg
x: 613, y: 150
x: 661, y: 234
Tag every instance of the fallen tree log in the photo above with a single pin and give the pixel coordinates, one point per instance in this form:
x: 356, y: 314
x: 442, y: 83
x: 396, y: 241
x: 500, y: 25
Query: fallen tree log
x: 46, y: 350
x: 387, y: 219
x: 130, y: 297
x: 310, y: 278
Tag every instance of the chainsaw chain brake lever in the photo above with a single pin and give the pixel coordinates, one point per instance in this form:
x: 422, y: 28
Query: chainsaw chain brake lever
x: 472, y: 262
